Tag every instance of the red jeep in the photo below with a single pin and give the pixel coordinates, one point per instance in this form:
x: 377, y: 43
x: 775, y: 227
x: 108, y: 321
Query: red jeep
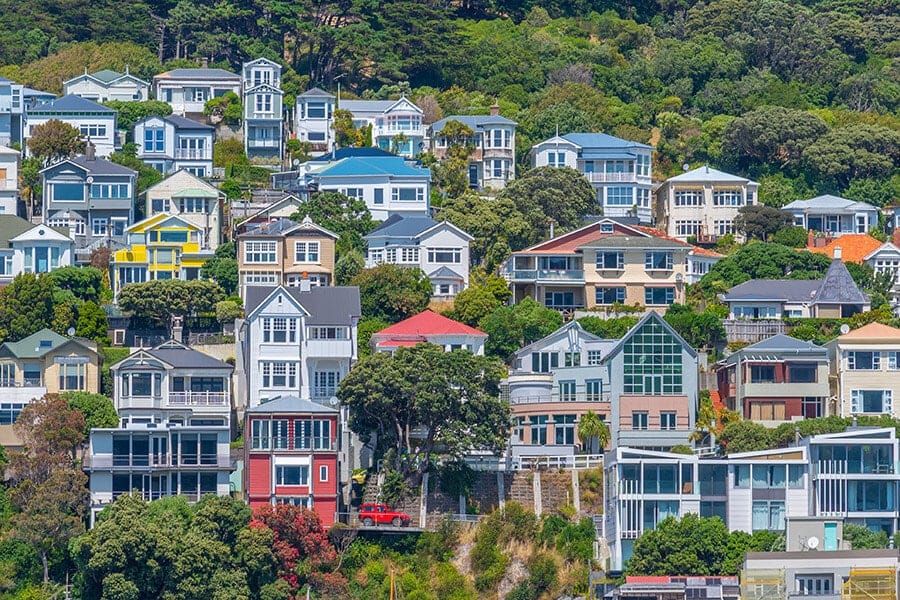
x: 379, y: 514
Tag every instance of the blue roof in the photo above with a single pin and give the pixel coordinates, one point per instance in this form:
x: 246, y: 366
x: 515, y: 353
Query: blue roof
x: 608, y: 155
x: 348, y: 152
x: 601, y: 140
x: 473, y: 122
x: 357, y: 166
x: 400, y: 226
x: 72, y: 103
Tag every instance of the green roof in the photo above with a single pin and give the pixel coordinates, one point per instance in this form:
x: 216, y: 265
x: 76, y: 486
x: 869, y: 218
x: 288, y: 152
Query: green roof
x: 195, y: 193
x: 106, y: 75
x: 12, y: 226
x: 36, y: 345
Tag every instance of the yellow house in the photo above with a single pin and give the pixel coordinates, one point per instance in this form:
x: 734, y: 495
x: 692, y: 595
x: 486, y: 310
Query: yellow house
x: 160, y: 247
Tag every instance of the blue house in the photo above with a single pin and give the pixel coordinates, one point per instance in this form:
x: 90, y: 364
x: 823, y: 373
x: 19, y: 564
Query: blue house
x: 12, y: 111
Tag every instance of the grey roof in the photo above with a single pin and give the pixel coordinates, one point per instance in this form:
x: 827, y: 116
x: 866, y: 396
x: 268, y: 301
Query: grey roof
x: 71, y: 103
x: 776, y: 346
x: 838, y: 287
x: 106, y: 75
x: 279, y: 227
x: 101, y: 166
x: 12, y: 226
x: 400, y: 226
x: 633, y: 241
x: 601, y: 140
x: 473, y: 122
x: 181, y: 356
x: 316, y: 92
x: 367, y: 105
x: 325, y: 305
x: 198, y: 74
x: 184, y: 123
x: 444, y: 273
x: 828, y: 202
x: 707, y: 175
x: 786, y: 290
x: 289, y: 405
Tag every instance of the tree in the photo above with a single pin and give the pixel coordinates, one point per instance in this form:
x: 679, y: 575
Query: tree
x: 345, y: 134
x: 85, y: 283
x: 855, y: 152
x: 795, y: 237
x: 771, y: 134
x: 92, y: 323
x: 222, y: 268
x: 693, y: 545
x: 593, y: 432
x: 863, y: 538
x: 512, y: 327
x: 130, y: 113
x: 497, y: 226
x: 452, y: 173
x: 348, y: 266
x: 473, y: 304
x: 98, y: 410
x: 391, y: 292
x: 227, y: 311
x: 419, y: 399
x: 745, y: 436
x: 229, y: 151
x: 700, y: 330
x: 161, y: 300
x: 758, y: 221
x: 26, y: 306
x: 226, y: 107
x: 562, y: 195
x: 55, y: 140
x: 608, y: 328
x: 367, y: 326
x: 349, y: 218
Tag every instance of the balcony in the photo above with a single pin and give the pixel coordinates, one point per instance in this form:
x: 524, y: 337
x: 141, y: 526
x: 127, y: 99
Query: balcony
x: 602, y: 398
x: 155, y: 461
x: 330, y: 348
x: 263, y: 143
x: 193, y: 154
x: 597, y: 177
x: 574, y: 275
x: 289, y: 444
x: 198, y: 399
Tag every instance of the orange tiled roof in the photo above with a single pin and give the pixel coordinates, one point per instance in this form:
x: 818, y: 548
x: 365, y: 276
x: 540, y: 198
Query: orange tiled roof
x: 873, y: 331
x: 568, y: 243
x: 854, y: 247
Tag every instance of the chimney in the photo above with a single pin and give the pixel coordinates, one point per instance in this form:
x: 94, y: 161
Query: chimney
x: 810, y: 239
x: 204, y: 63
x: 495, y: 109
x: 90, y: 151
x: 896, y: 237
x: 178, y: 329
x: 304, y: 282
x: 837, y: 252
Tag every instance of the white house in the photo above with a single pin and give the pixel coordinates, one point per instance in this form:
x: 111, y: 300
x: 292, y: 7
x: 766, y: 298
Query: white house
x: 172, y: 143
x: 620, y: 170
x: 702, y: 203
x: 886, y: 260
x: 313, y: 119
x: 299, y: 341
x: 492, y: 164
x: 12, y: 112
x: 29, y: 248
x: 106, y: 85
x: 439, y: 249
x: 9, y: 181
x: 96, y: 122
x: 263, y: 126
x: 833, y: 214
x: 396, y: 124
x: 188, y: 90
x: 185, y: 195
x: 432, y: 328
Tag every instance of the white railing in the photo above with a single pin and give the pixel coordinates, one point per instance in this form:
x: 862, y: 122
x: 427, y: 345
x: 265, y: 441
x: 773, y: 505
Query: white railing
x: 572, y: 461
x: 198, y: 398
x: 575, y: 397
x: 611, y: 177
x: 191, y: 153
x: 549, y: 274
x: 156, y: 461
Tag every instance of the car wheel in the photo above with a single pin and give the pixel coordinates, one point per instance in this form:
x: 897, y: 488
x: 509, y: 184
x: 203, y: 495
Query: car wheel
x: 368, y: 522
x: 397, y: 522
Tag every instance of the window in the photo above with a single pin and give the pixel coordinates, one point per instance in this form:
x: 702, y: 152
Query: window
x: 160, y: 205
x: 801, y: 373
x: 279, y: 375
x: 325, y: 383
x: 658, y: 261
x: 893, y: 358
x: 279, y: 330
x: 727, y: 198
x: 323, y: 473
x: 723, y: 226
x: 643, y: 165
x: 154, y: 139
x: 543, y: 362
x: 306, y: 252
x: 710, y: 508
x: 762, y: 374
x: 667, y: 420
x: 652, y: 362
x: 99, y: 227
x: 609, y: 295
x: 594, y: 357
x: 409, y: 255
x: 593, y: 390
x: 688, y: 197
x: 263, y: 103
x: 567, y: 391
x: 556, y: 159
x: 610, y: 261
x: 259, y: 252
x: 812, y: 585
x: 871, y: 401
x: 497, y: 168
x: 639, y: 420
x: 292, y: 475
x: 742, y: 476
x: 328, y: 333
x: 687, y: 228
x: 68, y: 192
x: 353, y: 193
x: 795, y: 476
x: 71, y: 376
x: 279, y: 434
x: 564, y: 429
x: 659, y: 295
x: 767, y: 411
x: 315, y: 110
x: 93, y: 130
x: 538, y: 429
x: 193, y: 205
x: 416, y: 194
x: 445, y: 255
x: 768, y: 515
x: 769, y: 476
x: 864, y: 361
x: 619, y: 196
x: 572, y: 359
x: 379, y: 196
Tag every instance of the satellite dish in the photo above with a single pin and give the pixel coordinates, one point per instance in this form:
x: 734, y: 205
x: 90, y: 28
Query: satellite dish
x: 90, y: 179
x: 70, y: 331
x: 845, y: 329
x: 686, y: 167
x: 333, y: 401
x: 812, y: 543
x: 295, y: 162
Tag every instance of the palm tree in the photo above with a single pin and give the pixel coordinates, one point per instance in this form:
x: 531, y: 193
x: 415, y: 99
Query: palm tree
x: 591, y: 429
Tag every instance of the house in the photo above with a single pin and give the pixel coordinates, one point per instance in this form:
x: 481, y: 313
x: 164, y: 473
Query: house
x: 172, y: 143
x: 605, y: 263
x: 32, y: 98
x: 107, y: 85
x: 669, y: 587
x: 777, y: 379
x: 303, y: 182
x: 44, y: 362
x: 97, y: 123
x: 29, y: 248
x: 432, y: 328
x: 194, y: 200
x: 439, y: 249
x: 620, y: 170
x: 285, y: 252
x: 9, y: 180
x: 162, y: 246
x: 296, y: 341
x: 865, y: 369
x: 853, y: 247
x: 396, y: 124
x: 12, y: 112
x: 188, y: 90
x: 702, y: 203
x: 174, y: 435
x: 833, y: 215
x: 262, y: 100
x: 885, y: 261
x: 291, y: 456
x: 492, y: 164
x: 388, y: 185
x: 92, y: 197
x: 314, y: 116
x: 268, y: 213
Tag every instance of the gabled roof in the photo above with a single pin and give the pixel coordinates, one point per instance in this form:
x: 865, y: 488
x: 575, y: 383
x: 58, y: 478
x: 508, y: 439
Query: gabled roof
x: 373, y: 166
x: 282, y: 227
x: 192, y: 180
x: 838, y: 287
x: 444, y: 272
x: 106, y: 75
x: 8, y: 150
x: 871, y: 332
x: 829, y: 202
x: 428, y: 323
x: 96, y: 166
x: 325, y: 305
x: 159, y: 220
x: 376, y: 106
x: 38, y: 344
x: 601, y: 140
x: 185, y: 123
x: 789, y: 290
x: 315, y: 92
x: 340, y: 153
x: 649, y: 319
x: 291, y: 405
x: 43, y: 232
x: 854, y: 247
x: 178, y: 355
x: 199, y: 74
x: 473, y: 122
x: 885, y: 247
x: 411, y: 227
x: 706, y: 174
x: 583, y: 334
x: 776, y: 347
x: 12, y: 227
x: 71, y: 103
x: 287, y: 200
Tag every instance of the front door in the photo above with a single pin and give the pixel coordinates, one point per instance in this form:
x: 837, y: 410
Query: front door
x: 473, y: 175
x: 830, y: 541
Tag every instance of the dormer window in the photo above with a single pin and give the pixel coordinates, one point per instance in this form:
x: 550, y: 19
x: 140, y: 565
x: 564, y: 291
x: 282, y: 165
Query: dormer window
x: 46, y: 343
x: 606, y: 227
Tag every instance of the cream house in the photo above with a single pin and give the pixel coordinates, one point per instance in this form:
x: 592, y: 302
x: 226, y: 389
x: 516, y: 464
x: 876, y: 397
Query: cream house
x: 865, y: 368
x: 185, y: 195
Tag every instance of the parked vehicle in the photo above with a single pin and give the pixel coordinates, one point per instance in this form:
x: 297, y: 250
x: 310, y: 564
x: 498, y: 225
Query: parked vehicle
x: 380, y: 514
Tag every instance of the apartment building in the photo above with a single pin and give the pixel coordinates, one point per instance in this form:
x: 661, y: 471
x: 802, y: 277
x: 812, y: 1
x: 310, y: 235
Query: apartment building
x: 865, y: 368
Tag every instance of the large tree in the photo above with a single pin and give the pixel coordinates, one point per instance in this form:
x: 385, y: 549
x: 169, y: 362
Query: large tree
x: 773, y: 135
x: 761, y: 222
x: 223, y: 268
x: 26, y: 306
x: 420, y: 399
x: 391, y: 292
x: 349, y: 218
x: 161, y: 300
x: 496, y: 224
x: 511, y: 327
x: 98, y: 410
x: 85, y: 283
x: 561, y: 195
x: 54, y: 140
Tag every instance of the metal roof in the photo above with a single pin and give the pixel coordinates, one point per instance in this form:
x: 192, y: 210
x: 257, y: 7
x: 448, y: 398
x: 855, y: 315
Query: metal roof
x: 325, y: 305
x: 199, y: 74
x: 790, y: 290
x: 705, y: 174
x: 290, y: 405
x: 601, y: 140
x: 473, y: 122
x: 381, y: 165
x: 71, y: 103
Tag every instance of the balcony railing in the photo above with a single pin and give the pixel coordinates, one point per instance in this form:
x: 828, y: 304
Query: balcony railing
x: 555, y: 397
x: 263, y: 143
x: 198, y: 398
x: 25, y: 383
x: 326, y: 392
x: 289, y: 443
x: 193, y: 154
x: 549, y: 274
x: 611, y: 177
x: 156, y: 461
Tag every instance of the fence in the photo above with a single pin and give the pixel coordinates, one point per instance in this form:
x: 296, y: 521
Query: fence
x: 532, y: 463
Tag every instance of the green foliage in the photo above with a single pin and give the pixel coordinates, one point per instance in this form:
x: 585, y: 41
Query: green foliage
x: 26, y: 306
x: 366, y: 327
x: 85, y: 283
x: 222, y: 268
x: 681, y: 449
x: 229, y: 151
x: 160, y: 300
x: 392, y: 293
x: 512, y: 327
x: 348, y: 266
x: 226, y: 107
x: 496, y: 225
x: 488, y: 563
x: 793, y: 237
x: 863, y: 538
x: 347, y: 217
x: 761, y: 222
x: 54, y: 140
x: 130, y: 113
x: 92, y: 323
x: 147, y: 176
x: 98, y: 410
x: 545, y: 194
x: 745, y: 436
x: 228, y: 310
x: 700, y: 330
x: 610, y: 329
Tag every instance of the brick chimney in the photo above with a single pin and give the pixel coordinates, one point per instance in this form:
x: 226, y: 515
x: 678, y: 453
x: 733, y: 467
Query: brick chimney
x: 810, y: 239
x: 204, y: 63
x: 837, y: 252
x: 495, y: 109
x: 90, y: 151
x: 896, y: 237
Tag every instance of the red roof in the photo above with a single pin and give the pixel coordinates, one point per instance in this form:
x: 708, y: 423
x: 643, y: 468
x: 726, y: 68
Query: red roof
x: 428, y: 323
x: 854, y: 247
x: 399, y: 343
x: 647, y: 579
x: 657, y: 233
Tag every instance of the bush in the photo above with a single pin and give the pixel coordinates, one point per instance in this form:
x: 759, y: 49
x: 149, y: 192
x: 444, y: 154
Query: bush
x: 394, y: 488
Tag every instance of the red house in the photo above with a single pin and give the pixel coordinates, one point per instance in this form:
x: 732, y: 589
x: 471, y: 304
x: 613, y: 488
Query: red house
x: 291, y: 455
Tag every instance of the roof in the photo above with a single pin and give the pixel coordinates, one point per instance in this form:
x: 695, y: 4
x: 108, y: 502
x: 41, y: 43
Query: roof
x: 325, y: 305
x: 583, y: 334
x: 37, y: 344
x: 472, y: 121
x: 428, y: 323
x: 790, y: 290
x: 194, y: 193
x: 367, y: 105
x: 198, y: 74
x: 706, y: 174
x: 659, y: 234
x: 312, y: 92
x: 8, y: 150
x: 855, y: 247
x: 624, y: 241
x: 827, y: 201
x: 444, y: 272
x: 647, y: 318
x: 885, y: 247
x: 181, y: 356
x: 101, y: 166
x: 106, y: 75
x: 400, y: 226
x: 340, y: 153
x: 290, y: 405
x: 601, y: 140
x: 283, y: 226
x: 12, y: 226
x: 838, y: 287
x: 872, y: 331
x: 184, y: 123
x: 771, y: 349
x: 375, y: 165
x: 71, y: 103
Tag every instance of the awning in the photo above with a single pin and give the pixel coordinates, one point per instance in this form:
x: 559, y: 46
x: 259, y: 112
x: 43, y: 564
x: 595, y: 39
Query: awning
x: 195, y: 193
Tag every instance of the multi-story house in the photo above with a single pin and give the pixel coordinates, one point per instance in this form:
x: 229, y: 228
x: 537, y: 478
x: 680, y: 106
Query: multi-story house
x: 885, y: 261
x: 159, y: 247
x: 397, y: 125
x: 313, y: 119
x: 492, y: 164
x: 865, y: 365
x: 174, y: 435
x: 188, y: 90
x: 777, y: 379
x: 97, y: 123
x: 432, y: 328
x: 172, y: 143
x: 291, y: 455
x: 702, y: 203
x: 32, y: 98
x: 29, y: 248
x: 620, y: 170
x: 9, y: 181
x: 296, y: 341
x: 285, y: 252
x: 92, y: 197
x: 262, y: 99
x: 250, y: 216
x: 44, y: 362
x: 833, y: 215
x: 439, y: 249
x: 605, y: 263
x: 388, y: 185
x: 107, y: 85
x: 12, y: 112
x: 185, y: 195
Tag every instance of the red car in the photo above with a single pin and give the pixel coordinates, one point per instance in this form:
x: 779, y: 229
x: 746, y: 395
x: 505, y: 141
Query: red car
x: 379, y: 514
